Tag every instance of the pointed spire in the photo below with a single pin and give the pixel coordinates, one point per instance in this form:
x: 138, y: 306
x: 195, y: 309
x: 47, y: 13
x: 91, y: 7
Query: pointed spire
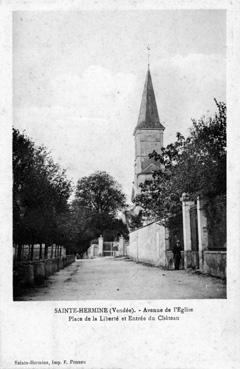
x: 148, y: 49
x: 148, y: 115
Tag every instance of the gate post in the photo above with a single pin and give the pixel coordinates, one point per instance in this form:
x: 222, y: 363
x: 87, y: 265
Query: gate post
x: 202, y: 230
x: 100, y: 246
x: 121, y: 246
x: 186, y: 204
x: 167, y: 244
x: 92, y: 251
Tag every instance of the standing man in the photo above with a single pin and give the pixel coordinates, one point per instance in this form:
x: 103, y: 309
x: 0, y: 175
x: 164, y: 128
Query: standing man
x: 177, y: 254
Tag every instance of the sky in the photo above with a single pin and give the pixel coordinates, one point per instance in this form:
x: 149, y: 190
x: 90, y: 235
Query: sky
x: 78, y: 78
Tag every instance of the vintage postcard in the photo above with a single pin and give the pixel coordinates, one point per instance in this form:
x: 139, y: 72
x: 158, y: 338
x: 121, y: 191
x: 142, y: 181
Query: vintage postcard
x: 120, y: 185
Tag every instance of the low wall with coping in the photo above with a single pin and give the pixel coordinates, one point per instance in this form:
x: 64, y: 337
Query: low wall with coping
x: 170, y: 262
x: 191, y: 259
x: 31, y: 273
x: 148, y: 245
x: 214, y: 263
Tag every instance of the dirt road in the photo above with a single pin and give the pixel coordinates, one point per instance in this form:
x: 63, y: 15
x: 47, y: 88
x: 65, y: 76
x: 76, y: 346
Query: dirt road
x: 119, y: 278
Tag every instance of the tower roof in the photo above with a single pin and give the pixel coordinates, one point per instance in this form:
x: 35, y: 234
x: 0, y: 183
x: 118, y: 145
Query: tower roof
x: 148, y: 115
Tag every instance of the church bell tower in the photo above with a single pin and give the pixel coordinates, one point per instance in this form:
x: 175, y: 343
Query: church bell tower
x: 148, y: 136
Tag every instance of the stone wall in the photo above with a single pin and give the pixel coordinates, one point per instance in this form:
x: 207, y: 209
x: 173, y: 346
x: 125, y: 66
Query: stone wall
x: 148, y: 245
x: 170, y: 262
x: 211, y: 262
x: 191, y: 259
x: 31, y: 273
x: 117, y: 249
x: 214, y: 263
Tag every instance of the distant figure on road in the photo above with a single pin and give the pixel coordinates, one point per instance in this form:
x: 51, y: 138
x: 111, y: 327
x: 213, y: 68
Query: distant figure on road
x: 177, y: 254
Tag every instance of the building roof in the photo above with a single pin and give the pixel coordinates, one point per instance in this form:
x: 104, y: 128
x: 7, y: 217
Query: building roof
x: 148, y: 115
x: 150, y: 163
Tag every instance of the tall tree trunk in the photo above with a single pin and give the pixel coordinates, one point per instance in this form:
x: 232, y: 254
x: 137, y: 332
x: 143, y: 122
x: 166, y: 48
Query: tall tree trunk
x: 32, y: 250
x: 40, y: 251
x: 46, y: 251
x: 19, y: 252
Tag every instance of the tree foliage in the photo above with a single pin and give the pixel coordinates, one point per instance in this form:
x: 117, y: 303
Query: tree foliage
x: 195, y: 165
x: 40, y: 193
x: 100, y: 193
x: 41, y: 210
x: 98, y: 199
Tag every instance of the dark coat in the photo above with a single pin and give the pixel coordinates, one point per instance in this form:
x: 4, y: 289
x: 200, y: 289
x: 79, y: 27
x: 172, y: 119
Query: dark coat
x: 177, y: 251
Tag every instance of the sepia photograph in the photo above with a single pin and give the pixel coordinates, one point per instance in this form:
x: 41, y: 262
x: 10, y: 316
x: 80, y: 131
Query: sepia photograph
x: 119, y: 184
x: 119, y: 155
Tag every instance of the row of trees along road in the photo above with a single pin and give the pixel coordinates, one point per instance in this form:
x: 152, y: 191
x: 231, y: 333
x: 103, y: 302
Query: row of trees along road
x: 40, y: 194
x: 195, y: 165
x: 42, y: 212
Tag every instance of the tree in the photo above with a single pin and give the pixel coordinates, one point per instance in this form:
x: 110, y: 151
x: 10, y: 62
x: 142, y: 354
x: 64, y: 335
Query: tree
x: 98, y: 199
x: 40, y: 193
x: 41, y: 212
x: 100, y: 193
x: 195, y: 165
x: 82, y: 225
